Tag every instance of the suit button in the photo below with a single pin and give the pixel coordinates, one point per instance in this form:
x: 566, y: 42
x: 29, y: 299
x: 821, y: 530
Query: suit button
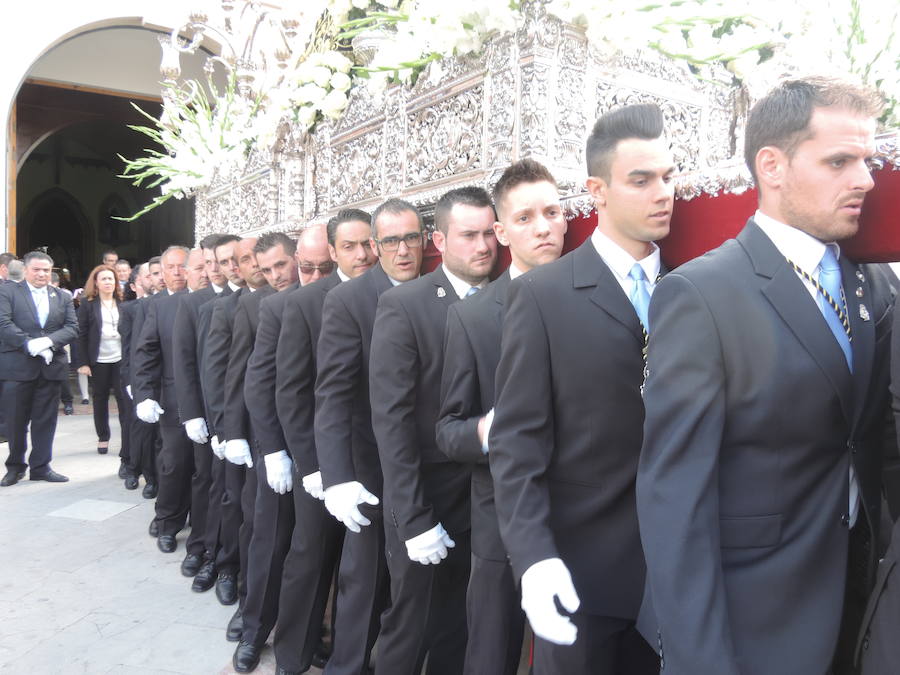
x: 852, y: 446
x: 845, y: 519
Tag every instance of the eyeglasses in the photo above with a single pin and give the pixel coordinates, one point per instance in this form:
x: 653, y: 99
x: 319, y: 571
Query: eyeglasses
x: 390, y: 244
x: 324, y: 268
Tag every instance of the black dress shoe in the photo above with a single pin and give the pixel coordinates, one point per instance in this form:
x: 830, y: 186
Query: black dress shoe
x: 149, y: 491
x: 123, y: 469
x: 205, y: 577
x: 85, y: 401
x: 50, y: 476
x: 320, y: 657
x: 153, y: 530
x: 191, y: 564
x: 285, y: 671
x: 11, y: 478
x: 246, y: 657
x: 235, y: 627
x: 68, y: 409
x: 166, y: 543
x: 226, y: 588
x: 131, y: 483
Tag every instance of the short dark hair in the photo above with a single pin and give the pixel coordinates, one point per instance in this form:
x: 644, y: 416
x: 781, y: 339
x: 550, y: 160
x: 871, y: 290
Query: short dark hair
x: 782, y: 117
x: 395, y: 207
x: 36, y: 255
x: 122, y: 261
x: 470, y: 195
x: 135, y: 272
x: 107, y: 252
x: 519, y: 173
x: 211, y: 240
x: 345, y: 216
x: 225, y: 239
x: 641, y: 120
x: 273, y: 239
x: 6, y: 258
x: 155, y: 260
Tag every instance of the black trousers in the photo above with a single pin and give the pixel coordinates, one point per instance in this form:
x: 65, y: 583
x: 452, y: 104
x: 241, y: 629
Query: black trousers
x: 495, y: 620
x: 314, y: 550
x: 363, y: 593
x: 226, y: 516
x: 35, y: 402
x: 201, y: 481
x: 175, y: 465
x: 126, y: 421
x: 273, y: 524
x: 142, y: 447
x: 106, y: 380
x: 427, y: 616
x: 65, y: 393
x: 605, y: 646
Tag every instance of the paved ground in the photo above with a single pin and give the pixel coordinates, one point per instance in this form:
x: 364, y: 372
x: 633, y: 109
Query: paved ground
x: 83, y: 587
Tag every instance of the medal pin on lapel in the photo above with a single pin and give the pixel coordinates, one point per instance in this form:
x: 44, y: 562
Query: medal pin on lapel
x: 863, y: 312
x: 859, y: 292
x: 441, y: 292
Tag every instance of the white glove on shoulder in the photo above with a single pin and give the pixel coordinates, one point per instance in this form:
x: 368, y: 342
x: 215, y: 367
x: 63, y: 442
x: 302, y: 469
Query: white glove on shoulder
x: 36, y: 345
x: 218, y: 447
x: 196, y: 430
x: 237, y: 451
x: 430, y: 547
x: 279, y: 470
x: 542, y: 582
x: 312, y: 483
x: 47, y: 355
x: 148, y: 411
x: 343, y: 500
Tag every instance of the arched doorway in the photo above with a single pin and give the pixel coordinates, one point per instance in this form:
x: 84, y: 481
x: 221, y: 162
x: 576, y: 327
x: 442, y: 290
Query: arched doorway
x: 56, y: 223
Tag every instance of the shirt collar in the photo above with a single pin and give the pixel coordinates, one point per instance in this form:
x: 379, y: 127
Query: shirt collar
x: 341, y: 275
x: 216, y: 289
x: 234, y: 287
x: 460, y: 286
x: 514, y: 271
x: 36, y: 290
x: 801, y: 248
x: 620, y: 261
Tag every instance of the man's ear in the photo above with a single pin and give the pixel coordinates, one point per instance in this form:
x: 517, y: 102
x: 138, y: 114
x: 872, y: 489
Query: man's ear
x: 597, y: 187
x: 771, y: 166
x: 500, y: 233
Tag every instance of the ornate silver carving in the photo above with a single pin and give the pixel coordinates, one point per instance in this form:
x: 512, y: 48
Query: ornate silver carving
x: 359, y: 176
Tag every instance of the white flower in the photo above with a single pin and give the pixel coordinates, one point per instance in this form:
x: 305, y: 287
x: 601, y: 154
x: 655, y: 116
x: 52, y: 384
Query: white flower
x: 340, y: 82
x: 335, y: 60
x: 310, y: 93
x: 321, y: 75
x: 306, y: 116
x: 333, y: 105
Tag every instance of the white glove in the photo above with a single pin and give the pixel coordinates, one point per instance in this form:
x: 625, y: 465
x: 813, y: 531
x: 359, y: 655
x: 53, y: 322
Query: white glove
x: 37, y: 345
x: 47, y: 355
x: 542, y: 582
x: 148, y: 411
x: 279, y: 470
x: 196, y: 430
x: 312, y: 483
x: 343, y: 500
x: 128, y: 391
x: 429, y: 547
x: 218, y: 447
x: 237, y: 451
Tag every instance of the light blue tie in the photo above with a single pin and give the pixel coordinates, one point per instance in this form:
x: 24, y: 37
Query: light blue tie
x: 472, y: 291
x: 640, y: 297
x: 830, y: 280
x: 43, y: 306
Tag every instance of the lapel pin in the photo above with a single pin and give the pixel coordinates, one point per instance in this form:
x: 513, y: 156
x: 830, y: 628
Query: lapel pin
x: 441, y: 292
x: 859, y: 292
x: 53, y: 295
x: 863, y: 312
x: 861, y: 277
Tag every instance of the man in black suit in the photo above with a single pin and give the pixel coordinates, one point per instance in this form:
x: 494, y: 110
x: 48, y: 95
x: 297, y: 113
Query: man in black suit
x: 216, y: 275
x: 761, y: 463
x: 566, y: 433
x: 530, y: 221
x: 154, y: 390
x: 308, y: 569
x: 345, y: 443
x: 36, y: 322
x: 426, y: 496
x: 266, y: 503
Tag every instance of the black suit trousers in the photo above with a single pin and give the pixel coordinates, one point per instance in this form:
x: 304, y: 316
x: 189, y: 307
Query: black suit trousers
x: 364, y: 588
x: 175, y: 464
x: 142, y: 447
x: 315, y: 548
x: 225, y: 518
x: 35, y: 401
x: 201, y: 480
x: 273, y: 523
x: 427, y: 616
x: 106, y: 380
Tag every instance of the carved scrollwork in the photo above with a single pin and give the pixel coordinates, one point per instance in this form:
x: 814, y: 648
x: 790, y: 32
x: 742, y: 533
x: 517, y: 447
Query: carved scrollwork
x: 533, y: 130
x: 358, y: 174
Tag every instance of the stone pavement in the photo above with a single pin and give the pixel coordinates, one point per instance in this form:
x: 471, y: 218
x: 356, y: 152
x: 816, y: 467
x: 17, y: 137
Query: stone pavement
x: 83, y: 587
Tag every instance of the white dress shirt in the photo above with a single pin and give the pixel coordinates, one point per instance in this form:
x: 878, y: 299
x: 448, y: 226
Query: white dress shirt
x: 460, y: 286
x: 620, y: 262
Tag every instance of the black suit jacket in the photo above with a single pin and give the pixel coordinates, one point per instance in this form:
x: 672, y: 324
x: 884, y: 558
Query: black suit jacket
x: 471, y: 355
x: 246, y: 319
x: 218, y: 347
x: 154, y: 356
x: 345, y: 442
x: 259, y: 385
x: 90, y: 323
x: 19, y: 324
x: 566, y: 435
x: 752, y: 421
x: 295, y: 378
x: 188, y: 352
x: 131, y: 321
x: 421, y: 485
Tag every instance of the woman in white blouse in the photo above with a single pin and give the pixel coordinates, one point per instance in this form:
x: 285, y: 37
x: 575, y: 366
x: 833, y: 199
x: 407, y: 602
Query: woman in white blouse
x: 100, y: 352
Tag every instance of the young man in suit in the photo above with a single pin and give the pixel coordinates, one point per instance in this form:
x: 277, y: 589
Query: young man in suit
x: 760, y: 465
x: 36, y: 322
x: 426, y: 496
x: 530, y: 221
x: 566, y: 433
x: 344, y: 442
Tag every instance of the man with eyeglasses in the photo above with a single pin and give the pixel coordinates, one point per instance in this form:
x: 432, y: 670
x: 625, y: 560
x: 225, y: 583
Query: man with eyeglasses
x: 426, y: 496
x: 344, y: 441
